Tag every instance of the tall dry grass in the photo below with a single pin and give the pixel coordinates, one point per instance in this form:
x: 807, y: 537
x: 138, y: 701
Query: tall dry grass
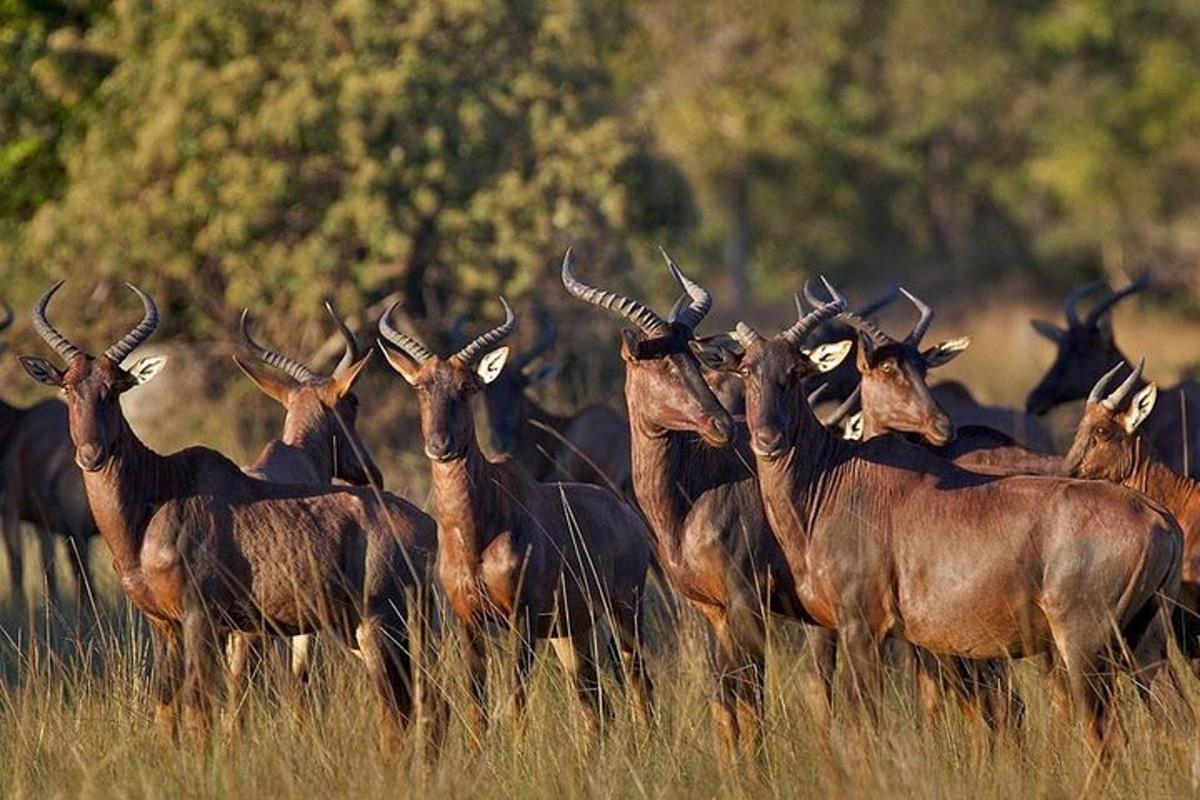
x: 75, y: 715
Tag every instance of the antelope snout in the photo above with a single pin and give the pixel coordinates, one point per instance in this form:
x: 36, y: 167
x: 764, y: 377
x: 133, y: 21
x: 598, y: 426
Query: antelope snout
x: 768, y: 443
x: 718, y: 430
x: 89, y: 457
x: 439, y: 447
x: 942, y: 432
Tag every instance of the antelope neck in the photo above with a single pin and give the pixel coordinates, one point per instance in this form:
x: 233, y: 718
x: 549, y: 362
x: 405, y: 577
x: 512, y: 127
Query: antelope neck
x: 470, y: 505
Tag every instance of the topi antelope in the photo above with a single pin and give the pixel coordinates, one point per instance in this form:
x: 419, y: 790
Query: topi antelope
x: 695, y: 484
x: 546, y: 560
x: 1109, y: 446
x: 884, y: 538
x: 41, y: 486
x: 204, y: 550
x: 1086, y: 349
x: 319, y: 443
x: 589, y: 446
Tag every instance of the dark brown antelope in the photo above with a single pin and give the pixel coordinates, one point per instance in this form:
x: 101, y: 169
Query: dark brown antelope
x: 695, y: 484
x: 884, y: 539
x: 589, y: 446
x: 41, y: 486
x: 1109, y: 446
x: 204, y: 550
x: 546, y: 560
x: 1087, y: 348
x: 320, y: 442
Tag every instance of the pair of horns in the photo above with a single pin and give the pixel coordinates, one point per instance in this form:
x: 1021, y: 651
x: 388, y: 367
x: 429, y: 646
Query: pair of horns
x: 546, y: 338
x: 1071, y: 304
x: 468, y: 355
x: 119, y: 351
x: 875, y: 333
x: 687, y: 312
x: 298, y: 370
x: 1119, y: 395
x: 806, y: 323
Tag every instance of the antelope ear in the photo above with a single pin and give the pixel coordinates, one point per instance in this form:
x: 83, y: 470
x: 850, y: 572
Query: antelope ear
x: 852, y: 428
x: 42, y: 371
x: 146, y: 368
x: 1048, y: 329
x: 492, y: 364
x: 402, y: 363
x: 1140, y: 408
x: 268, y: 384
x: 826, y: 357
x: 344, y: 381
x: 543, y: 374
x: 946, y: 351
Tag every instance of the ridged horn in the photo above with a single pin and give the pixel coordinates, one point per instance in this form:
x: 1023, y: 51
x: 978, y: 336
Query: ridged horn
x: 922, y: 327
x: 352, y: 353
x: 1117, y: 399
x: 639, y: 314
x: 700, y: 299
x: 140, y: 333
x: 484, y: 342
x: 408, y: 344
x: 41, y: 323
x: 271, y: 358
x: 822, y: 310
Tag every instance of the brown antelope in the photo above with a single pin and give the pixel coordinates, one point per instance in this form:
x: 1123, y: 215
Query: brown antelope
x: 883, y: 538
x: 204, y: 550
x: 320, y: 442
x: 545, y: 560
x: 589, y: 446
x: 41, y: 486
x: 1086, y: 349
x: 695, y: 484
x: 1109, y: 446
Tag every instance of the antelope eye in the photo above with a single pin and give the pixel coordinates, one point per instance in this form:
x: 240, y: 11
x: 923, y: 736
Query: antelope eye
x: 1104, y: 434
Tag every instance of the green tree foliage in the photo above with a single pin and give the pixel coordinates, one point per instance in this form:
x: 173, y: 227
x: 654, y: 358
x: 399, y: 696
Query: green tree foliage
x: 277, y: 152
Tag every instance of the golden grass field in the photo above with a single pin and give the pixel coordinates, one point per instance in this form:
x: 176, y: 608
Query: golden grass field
x: 75, y: 717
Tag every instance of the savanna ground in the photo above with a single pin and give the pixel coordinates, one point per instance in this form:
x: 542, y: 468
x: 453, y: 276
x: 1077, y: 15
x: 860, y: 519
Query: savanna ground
x: 75, y: 716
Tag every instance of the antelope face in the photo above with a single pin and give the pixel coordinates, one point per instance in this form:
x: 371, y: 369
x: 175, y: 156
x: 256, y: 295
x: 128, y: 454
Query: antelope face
x: 663, y: 380
x: 895, y: 391
x: 1105, y: 445
x: 1083, y: 355
x: 92, y: 388
x: 773, y: 371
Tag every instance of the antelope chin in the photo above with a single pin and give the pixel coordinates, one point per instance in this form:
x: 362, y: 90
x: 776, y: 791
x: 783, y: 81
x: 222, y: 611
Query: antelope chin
x: 442, y: 458
x: 774, y: 454
x: 90, y: 467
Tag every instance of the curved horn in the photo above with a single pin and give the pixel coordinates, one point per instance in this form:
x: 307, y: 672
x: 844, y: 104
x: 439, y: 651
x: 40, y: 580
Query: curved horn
x: 638, y: 313
x: 352, y: 352
x: 140, y: 333
x: 1071, y: 303
x: 1142, y: 283
x: 922, y: 327
x: 8, y: 317
x: 271, y: 358
x: 408, y: 344
x: 816, y: 395
x: 41, y: 323
x: 1121, y: 393
x: 848, y: 407
x: 547, y: 336
x: 701, y: 298
x: 821, y: 311
x: 484, y: 342
x: 1097, y: 393
x: 855, y: 321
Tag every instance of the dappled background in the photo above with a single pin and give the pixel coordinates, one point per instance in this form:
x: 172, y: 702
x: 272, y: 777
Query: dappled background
x: 226, y: 154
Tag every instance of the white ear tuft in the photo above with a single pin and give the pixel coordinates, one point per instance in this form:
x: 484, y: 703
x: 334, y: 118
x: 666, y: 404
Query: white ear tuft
x: 491, y: 365
x: 146, y: 368
x: 1140, y: 408
x: 946, y: 351
x: 852, y: 428
x: 826, y: 357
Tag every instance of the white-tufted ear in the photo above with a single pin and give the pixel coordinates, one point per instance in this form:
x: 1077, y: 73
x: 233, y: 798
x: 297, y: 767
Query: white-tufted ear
x: 826, y: 357
x: 42, y: 371
x: 852, y: 428
x: 146, y: 368
x: 1140, y: 408
x: 492, y: 364
x: 946, y: 351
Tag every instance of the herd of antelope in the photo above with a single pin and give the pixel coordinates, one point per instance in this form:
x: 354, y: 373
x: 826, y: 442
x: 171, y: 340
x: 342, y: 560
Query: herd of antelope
x: 908, y: 525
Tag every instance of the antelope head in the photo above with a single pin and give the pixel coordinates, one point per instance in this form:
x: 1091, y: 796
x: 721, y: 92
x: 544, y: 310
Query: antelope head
x: 664, y: 386
x: 1085, y: 348
x: 445, y: 386
x: 775, y: 369
x: 894, y: 371
x: 312, y: 400
x: 91, y: 385
x: 504, y: 398
x: 1105, y: 441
